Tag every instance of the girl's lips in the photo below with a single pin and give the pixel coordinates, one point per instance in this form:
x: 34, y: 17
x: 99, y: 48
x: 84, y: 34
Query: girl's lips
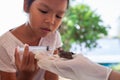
x: 46, y: 29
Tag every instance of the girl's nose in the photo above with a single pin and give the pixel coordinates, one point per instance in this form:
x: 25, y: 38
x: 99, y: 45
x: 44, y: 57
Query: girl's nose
x: 50, y: 19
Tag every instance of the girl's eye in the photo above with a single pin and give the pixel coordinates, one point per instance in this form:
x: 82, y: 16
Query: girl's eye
x: 58, y: 16
x: 43, y: 11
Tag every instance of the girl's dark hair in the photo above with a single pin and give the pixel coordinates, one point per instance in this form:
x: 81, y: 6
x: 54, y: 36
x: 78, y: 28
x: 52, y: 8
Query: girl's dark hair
x: 68, y: 4
x: 30, y: 2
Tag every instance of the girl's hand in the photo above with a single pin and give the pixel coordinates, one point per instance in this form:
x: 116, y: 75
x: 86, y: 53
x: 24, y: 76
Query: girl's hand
x: 27, y: 67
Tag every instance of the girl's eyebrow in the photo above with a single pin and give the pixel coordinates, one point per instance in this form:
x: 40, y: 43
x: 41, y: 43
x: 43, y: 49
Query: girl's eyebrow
x: 42, y: 4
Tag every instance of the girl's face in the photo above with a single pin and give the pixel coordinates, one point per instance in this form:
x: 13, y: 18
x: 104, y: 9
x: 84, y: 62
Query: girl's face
x: 45, y: 16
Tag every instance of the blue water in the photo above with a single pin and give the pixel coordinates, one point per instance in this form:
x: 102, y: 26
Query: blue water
x: 108, y: 64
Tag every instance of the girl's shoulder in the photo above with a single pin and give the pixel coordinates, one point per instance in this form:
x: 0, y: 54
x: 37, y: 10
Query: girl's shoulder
x: 5, y: 37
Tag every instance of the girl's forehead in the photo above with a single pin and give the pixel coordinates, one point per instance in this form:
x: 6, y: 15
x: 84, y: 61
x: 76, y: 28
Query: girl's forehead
x: 52, y: 4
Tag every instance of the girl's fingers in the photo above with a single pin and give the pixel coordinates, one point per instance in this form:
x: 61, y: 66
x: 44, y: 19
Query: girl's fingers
x: 17, y: 58
x: 28, y: 62
x: 31, y: 59
x: 25, y: 55
x: 31, y: 62
x: 38, y: 56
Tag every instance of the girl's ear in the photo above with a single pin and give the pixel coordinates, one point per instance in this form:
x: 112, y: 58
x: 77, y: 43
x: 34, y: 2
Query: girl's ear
x: 26, y: 6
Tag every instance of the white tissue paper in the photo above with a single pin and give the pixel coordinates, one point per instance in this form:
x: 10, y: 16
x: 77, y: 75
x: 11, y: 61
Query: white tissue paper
x: 78, y: 68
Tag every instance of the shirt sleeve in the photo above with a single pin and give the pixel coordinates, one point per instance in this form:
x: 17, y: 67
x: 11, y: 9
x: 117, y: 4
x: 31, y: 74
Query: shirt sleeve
x: 6, y: 63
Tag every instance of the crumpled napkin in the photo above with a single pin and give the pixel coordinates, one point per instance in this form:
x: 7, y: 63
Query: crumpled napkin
x: 78, y: 68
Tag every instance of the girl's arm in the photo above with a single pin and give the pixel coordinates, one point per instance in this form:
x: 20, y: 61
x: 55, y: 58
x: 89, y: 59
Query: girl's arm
x: 7, y: 76
x: 50, y: 76
x: 114, y: 75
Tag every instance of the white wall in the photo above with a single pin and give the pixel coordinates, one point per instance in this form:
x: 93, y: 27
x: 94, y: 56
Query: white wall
x: 11, y: 14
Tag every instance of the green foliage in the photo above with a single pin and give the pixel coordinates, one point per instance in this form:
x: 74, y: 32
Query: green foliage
x: 116, y: 67
x: 81, y: 25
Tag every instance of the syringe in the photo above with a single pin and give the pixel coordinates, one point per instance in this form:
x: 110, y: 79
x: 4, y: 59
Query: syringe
x: 37, y: 48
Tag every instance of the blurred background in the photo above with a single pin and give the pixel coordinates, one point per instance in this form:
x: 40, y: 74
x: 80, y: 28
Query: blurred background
x: 91, y: 27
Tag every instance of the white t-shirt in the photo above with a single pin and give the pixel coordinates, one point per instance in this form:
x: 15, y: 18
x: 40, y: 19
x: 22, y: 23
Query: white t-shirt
x: 8, y: 43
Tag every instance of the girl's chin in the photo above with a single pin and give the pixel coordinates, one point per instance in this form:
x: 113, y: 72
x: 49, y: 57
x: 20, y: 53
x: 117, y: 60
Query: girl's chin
x: 43, y: 35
